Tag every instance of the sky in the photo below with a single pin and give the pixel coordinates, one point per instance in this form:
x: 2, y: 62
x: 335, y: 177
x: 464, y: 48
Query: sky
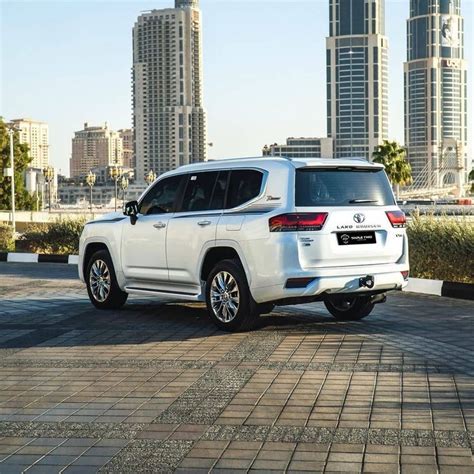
x: 67, y: 62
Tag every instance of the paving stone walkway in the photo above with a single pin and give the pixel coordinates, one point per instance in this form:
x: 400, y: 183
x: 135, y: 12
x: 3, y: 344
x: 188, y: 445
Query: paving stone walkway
x: 156, y: 387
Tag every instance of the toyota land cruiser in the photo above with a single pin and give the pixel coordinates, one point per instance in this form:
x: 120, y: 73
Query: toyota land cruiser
x: 244, y: 235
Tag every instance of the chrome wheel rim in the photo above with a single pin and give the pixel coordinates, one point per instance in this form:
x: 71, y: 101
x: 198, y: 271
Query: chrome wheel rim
x: 225, y: 297
x: 99, y: 281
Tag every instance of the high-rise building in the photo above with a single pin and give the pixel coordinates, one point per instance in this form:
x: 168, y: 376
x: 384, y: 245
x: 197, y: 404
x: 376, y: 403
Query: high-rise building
x: 169, y: 118
x: 435, y: 93
x: 357, y: 77
x: 93, y: 147
x: 301, y: 148
x: 126, y: 134
x: 36, y: 135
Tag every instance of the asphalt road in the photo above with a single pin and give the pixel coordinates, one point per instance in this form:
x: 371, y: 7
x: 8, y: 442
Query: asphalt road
x: 50, y: 271
x: 156, y: 387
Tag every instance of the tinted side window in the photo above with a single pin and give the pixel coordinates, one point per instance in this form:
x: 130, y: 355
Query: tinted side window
x: 197, y: 196
x: 244, y: 186
x: 161, y: 198
x: 218, y: 196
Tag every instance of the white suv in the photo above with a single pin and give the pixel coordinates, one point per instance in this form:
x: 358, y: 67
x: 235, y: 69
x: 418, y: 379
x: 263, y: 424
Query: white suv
x: 247, y: 234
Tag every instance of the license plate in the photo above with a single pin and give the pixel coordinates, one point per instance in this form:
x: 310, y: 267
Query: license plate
x: 354, y: 238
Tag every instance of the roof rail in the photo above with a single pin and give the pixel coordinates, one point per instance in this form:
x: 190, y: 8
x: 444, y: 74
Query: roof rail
x: 233, y: 159
x: 249, y: 158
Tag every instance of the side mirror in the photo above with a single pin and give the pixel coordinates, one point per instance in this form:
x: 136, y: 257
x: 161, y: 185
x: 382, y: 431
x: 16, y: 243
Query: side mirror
x: 131, y: 210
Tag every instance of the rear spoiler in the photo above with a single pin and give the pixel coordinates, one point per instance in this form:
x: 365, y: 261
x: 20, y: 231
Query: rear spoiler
x: 342, y: 168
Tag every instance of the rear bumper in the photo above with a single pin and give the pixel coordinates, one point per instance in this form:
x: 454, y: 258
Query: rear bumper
x: 333, y: 284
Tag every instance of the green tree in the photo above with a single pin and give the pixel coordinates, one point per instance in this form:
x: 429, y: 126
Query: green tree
x: 393, y: 157
x: 23, y: 200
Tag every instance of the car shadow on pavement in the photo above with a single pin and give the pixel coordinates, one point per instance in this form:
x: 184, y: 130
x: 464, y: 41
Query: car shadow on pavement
x: 73, y: 322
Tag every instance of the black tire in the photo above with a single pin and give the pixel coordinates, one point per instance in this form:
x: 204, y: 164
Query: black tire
x: 349, y: 307
x: 265, y: 308
x: 247, y: 314
x: 115, y: 298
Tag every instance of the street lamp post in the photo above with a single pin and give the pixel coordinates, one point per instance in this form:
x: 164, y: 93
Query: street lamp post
x: 115, y: 174
x: 42, y: 195
x: 90, y: 180
x: 11, y: 132
x: 124, y: 186
x: 150, y: 177
x: 49, y: 176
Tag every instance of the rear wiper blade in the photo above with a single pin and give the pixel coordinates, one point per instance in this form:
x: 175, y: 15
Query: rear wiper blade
x: 357, y: 201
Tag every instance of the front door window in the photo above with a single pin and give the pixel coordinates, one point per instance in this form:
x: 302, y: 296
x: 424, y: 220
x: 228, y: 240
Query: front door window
x: 162, y: 197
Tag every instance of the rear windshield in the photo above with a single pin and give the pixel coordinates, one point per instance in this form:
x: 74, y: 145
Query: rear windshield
x: 342, y: 187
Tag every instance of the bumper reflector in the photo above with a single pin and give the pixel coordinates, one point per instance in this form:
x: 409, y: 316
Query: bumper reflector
x: 298, y: 282
x: 405, y: 274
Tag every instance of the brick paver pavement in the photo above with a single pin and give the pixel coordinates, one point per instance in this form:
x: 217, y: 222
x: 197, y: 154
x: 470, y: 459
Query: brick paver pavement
x: 156, y: 387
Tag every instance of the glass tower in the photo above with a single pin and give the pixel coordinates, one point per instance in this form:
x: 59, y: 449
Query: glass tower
x: 357, y: 77
x: 168, y: 114
x: 436, y: 93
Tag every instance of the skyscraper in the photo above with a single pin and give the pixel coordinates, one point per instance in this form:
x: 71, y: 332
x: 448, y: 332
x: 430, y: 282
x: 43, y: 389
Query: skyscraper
x: 36, y: 135
x: 357, y: 77
x: 95, y: 146
x: 169, y: 118
x: 435, y: 93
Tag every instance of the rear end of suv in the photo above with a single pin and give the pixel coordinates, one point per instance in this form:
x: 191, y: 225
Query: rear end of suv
x: 339, y: 238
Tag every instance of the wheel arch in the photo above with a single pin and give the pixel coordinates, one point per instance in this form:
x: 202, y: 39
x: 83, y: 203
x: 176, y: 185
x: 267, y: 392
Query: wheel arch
x: 222, y: 251
x: 90, y: 249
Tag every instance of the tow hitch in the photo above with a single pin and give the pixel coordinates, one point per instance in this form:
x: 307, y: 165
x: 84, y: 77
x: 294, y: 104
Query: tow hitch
x: 367, y: 281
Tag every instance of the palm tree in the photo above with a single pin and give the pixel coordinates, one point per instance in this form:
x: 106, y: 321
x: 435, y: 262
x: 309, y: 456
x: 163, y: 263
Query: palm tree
x: 393, y: 157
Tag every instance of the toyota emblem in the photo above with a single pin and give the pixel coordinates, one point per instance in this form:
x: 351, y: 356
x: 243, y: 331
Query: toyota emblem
x: 359, y: 218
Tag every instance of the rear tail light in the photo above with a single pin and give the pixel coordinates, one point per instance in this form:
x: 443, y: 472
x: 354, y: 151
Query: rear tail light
x: 405, y: 274
x: 305, y: 221
x: 396, y: 218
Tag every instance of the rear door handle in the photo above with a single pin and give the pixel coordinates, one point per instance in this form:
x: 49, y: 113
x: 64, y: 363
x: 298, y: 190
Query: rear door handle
x: 159, y: 225
x: 204, y: 223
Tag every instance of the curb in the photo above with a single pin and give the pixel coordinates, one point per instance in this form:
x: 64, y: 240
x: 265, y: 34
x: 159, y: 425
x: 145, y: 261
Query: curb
x: 451, y: 289
x: 15, y: 257
x: 423, y: 286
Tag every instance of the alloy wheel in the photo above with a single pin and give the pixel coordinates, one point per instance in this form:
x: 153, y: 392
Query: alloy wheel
x: 225, y: 296
x: 100, y: 281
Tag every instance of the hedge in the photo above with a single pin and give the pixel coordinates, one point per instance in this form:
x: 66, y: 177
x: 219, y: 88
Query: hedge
x: 441, y: 248
x: 61, y: 237
x: 7, y: 242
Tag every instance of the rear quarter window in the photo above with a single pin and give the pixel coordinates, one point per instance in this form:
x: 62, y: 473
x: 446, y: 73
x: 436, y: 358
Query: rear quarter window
x: 244, y: 186
x: 342, y: 187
